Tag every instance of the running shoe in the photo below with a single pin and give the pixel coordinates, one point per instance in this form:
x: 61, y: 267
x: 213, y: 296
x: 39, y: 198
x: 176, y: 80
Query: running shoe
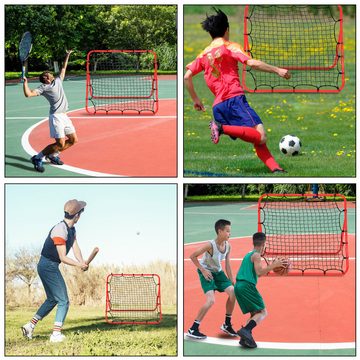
x: 38, y: 164
x: 54, y: 160
x: 227, y: 329
x: 196, y: 334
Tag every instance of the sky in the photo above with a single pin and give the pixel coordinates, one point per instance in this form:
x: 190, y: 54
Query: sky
x: 132, y: 224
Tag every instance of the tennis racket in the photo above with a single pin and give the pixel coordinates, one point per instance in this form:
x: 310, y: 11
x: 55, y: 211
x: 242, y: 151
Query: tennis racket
x: 24, y: 51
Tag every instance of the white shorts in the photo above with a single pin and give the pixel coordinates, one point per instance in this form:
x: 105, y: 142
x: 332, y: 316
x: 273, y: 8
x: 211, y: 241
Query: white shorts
x: 60, y: 125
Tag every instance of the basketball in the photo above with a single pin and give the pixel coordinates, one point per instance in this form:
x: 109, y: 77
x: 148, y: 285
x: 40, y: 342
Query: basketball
x: 283, y: 270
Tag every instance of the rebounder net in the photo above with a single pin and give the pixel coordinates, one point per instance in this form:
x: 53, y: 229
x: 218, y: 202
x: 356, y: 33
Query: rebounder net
x: 310, y: 232
x: 121, y: 81
x: 305, y: 39
x: 133, y: 299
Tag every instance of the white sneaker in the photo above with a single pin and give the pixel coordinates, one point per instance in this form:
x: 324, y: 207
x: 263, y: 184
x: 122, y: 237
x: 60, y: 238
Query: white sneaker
x: 57, y: 338
x: 28, y: 330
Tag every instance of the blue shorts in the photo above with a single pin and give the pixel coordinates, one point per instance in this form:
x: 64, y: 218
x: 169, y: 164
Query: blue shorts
x: 236, y: 111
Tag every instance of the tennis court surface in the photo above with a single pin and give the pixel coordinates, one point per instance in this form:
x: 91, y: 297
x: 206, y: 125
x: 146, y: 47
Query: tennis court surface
x: 308, y: 315
x: 130, y: 145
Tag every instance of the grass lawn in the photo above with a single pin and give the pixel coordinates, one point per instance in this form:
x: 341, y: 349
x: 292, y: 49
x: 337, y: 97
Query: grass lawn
x: 325, y: 123
x: 88, y: 334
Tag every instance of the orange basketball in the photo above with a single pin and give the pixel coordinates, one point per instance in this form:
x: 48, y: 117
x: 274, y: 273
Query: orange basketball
x: 283, y: 270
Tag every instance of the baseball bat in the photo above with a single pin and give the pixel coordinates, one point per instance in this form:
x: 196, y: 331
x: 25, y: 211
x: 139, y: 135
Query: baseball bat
x: 92, y: 255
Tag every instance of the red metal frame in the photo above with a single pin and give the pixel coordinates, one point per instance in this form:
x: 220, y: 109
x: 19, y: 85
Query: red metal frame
x: 158, y: 302
x: 339, y: 49
x: 155, y: 78
x: 344, y: 239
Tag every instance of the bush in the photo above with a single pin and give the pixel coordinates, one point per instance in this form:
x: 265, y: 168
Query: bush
x: 167, y: 56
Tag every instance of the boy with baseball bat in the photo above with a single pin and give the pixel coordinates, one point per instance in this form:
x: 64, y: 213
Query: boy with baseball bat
x: 61, y: 238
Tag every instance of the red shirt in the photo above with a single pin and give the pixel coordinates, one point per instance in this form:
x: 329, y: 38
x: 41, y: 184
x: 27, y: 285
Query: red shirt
x: 219, y: 61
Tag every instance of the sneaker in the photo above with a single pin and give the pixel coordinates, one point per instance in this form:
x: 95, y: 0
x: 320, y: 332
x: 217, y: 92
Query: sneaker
x: 54, y: 160
x: 247, y: 336
x: 247, y: 345
x: 57, y: 338
x: 279, y: 170
x: 27, y: 330
x: 38, y: 164
x: 227, y: 329
x: 196, y: 334
x: 215, y: 131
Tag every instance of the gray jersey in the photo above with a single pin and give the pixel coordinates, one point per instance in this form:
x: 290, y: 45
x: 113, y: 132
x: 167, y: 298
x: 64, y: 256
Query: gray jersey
x: 55, y: 95
x: 213, y: 263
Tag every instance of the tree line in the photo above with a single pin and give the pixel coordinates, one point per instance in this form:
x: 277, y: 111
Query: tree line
x: 56, y: 28
x: 23, y: 286
x: 242, y: 190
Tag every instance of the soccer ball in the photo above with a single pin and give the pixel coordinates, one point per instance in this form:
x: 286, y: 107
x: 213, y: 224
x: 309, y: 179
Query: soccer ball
x: 290, y: 145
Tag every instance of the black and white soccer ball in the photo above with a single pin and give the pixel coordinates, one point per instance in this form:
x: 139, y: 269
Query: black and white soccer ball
x: 290, y: 145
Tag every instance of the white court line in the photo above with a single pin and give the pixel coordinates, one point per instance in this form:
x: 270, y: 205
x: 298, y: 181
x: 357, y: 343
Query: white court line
x: 204, y: 241
x: 97, y: 117
x: 225, y: 212
x: 280, y: 345
x: 233, y: 238
x: 31, y: 151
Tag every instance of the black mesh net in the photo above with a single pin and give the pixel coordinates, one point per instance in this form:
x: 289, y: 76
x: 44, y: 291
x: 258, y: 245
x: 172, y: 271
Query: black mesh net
x: 309, y: 231
x: 307, y: 40
x: 121, y: 81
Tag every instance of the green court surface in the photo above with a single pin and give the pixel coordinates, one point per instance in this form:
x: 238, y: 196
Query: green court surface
x: 21, y: 113
x: 195, y: 347
x: 199, y: 219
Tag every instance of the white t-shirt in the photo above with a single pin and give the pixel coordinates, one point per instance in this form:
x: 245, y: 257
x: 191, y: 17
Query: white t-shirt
x: 55, y: 95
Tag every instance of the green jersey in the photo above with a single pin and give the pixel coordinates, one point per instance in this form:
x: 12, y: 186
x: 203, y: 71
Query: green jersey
x: 247, y: 270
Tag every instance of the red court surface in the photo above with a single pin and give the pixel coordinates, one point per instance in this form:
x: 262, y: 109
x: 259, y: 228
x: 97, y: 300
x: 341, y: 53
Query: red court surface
x: 134, y: 145
x: 301, y: 309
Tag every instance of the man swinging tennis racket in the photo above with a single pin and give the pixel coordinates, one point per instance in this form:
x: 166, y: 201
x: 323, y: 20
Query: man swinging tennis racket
x: 61, y: 127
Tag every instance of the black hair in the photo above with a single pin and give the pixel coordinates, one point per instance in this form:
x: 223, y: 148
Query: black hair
x: 259, y: 238
x: 216, y: 25
x: 220, y: 224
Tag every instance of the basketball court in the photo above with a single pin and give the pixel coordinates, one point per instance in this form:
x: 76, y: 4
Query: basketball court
x: 130, y: 145
x: 307, y: 315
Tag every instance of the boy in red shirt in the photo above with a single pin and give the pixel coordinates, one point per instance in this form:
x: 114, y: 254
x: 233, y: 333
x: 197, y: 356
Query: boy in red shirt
x: 232, y: 114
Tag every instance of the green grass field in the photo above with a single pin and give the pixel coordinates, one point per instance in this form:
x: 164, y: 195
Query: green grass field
x: 88, y: 334
x: 325, y: 123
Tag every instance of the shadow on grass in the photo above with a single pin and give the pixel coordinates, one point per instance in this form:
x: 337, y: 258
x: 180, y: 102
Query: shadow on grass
x: 168, y: 321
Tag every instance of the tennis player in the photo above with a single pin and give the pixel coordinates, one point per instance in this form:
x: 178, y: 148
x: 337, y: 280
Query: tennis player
x: 61, y: 127
x: 61, y: 238
x: 247, y: 296
x: 213, y: 278
x: 232, y: 114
